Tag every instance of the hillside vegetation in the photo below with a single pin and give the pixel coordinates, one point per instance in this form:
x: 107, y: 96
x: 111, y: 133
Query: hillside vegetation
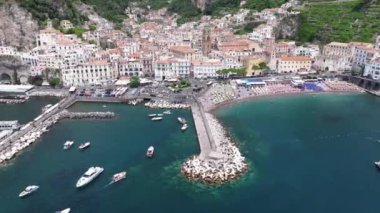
x: 357, y: 20
x: 114, y: 10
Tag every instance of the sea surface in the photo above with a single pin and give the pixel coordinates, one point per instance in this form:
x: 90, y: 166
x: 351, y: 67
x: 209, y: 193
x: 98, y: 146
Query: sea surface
x: 311, y: 153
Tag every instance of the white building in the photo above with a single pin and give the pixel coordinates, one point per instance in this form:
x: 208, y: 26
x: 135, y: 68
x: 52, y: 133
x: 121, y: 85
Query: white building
x: 372, y: 69
x: 362, y: 55
x: 131, y: 68
x: 172, y: 68
x: 261, y: 32
x: 98, y: 72
x: 206, y: 68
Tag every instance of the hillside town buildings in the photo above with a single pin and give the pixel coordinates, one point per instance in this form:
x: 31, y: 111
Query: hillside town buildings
x: 159, y: 48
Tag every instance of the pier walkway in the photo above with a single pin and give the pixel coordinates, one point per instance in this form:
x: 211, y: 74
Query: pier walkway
x: 63, y: 104
x: 207, y: 144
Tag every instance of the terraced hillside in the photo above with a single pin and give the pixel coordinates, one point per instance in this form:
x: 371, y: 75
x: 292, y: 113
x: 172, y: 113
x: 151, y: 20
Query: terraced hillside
x: 357, y: 20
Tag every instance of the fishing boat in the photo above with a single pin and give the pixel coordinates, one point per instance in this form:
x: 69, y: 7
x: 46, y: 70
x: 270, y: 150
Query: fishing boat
x: 84, y: 145
x: 64, y: 211
x: 67, y: 145
x: 152, y: 115
x: 157, y: 118
x: 181, y: 120
x: 167, y: 112
x: 89, y: 176
x: 150, y: 152
x: 184, y: 127
x: 377, y: 164
x: 28, y: 190
x: 118, y: 177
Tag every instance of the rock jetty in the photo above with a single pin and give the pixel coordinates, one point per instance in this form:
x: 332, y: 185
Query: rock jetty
x: 216, y: 170
x: 135, y: 102
x: 86, y: 115
x: 162, y: 104
x: 12, y: 101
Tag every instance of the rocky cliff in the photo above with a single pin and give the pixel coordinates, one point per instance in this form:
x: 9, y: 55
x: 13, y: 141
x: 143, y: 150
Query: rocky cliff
x: 17, y: 27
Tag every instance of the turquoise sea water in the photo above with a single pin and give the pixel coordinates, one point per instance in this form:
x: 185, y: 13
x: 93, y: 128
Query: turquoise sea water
x: 307, y: 154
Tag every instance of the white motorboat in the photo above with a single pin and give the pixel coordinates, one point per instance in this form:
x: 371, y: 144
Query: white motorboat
x: 181, y: 120
x: 377, y: 164
x: 167, y: 112
x: 184, y: 127
x: 157, y: 118
x: 64, y: 211
x: 67, y: 145
x: 28, y: 190
x: 150, y: 152
x: 84, y: 145
x: 118, y: 177
x: 160, y: 115
x: 152, y: 115
x: 89, y: 176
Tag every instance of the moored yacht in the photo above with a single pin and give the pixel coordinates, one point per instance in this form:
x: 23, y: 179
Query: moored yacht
x: 89, y: 176
x: 150, y: 152
x: 152, y: 115
x: 167, y: 112
x: 184, y: 127
x: 28, y: 190
x: 67, y: 145
x: 181, y: 120
x: 157, y: 118
x: 84, y: 145
x: 160, y: 115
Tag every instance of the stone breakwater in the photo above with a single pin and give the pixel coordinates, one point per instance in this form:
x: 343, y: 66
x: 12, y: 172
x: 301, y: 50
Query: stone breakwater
x: 135, y: 102
x: 228, y: 166
x: 12, y: 101
x: 16, y: 144
x: 86, y: 115
x: 165, y: 105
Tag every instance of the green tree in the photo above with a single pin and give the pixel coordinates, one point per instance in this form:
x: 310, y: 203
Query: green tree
x: 134, y: 82
x: 54, y: 82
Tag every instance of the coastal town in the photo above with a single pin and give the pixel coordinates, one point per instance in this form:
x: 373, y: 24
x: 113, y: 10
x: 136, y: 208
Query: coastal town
x: 162, y: 64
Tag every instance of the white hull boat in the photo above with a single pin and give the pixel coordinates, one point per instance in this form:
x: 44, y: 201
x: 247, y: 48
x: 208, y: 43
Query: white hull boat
x: 84, y: 145
x: 28, y: 190
x: 150, y: 152
x: 89, y: 176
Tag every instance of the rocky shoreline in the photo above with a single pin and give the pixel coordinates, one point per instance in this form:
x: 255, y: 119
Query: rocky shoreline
x: 162, y: 104
x: 229, y: 166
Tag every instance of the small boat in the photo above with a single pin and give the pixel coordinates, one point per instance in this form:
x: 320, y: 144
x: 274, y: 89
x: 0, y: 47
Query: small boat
x: 104, y: 106
x: 84, y: 145
x: 118, y: 177
x: 64, y: 211
x: 67, y: 145
x: 28, y: 190
x: 181, y: 120
x: 377, y: 164
x: 156, y: 118
x: 152, y: 115
x: 150, y: 152
x: 160, y: 115
x: 89, y: 176
x: 167, y: 112
x: 184, y: 127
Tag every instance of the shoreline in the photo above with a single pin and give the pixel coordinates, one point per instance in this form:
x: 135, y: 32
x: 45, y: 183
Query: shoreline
x: 230, y: 103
